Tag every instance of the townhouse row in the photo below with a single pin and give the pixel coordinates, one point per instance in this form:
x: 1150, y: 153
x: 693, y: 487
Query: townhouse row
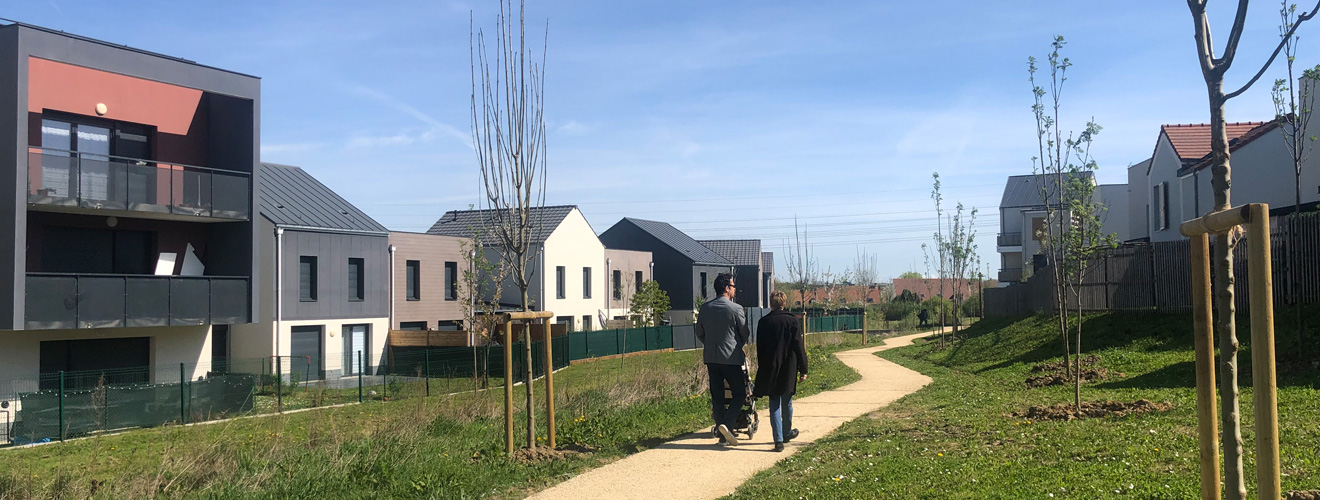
x: 145, y: 231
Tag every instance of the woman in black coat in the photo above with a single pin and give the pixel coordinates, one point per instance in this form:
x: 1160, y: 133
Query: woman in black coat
x: 781, y: 360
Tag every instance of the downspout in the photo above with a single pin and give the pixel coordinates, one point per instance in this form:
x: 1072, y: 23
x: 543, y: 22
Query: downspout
x: 392, y: 278
x: 609, y: 287
x: 279, y: 287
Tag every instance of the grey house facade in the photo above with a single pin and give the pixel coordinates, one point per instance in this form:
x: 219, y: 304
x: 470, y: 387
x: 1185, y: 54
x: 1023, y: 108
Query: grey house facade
x: 128, y: 204
x: 326, y: 264
x: 747, y: 269
x: 684, y: 268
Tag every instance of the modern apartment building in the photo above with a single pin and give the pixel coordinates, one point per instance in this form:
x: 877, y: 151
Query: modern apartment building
x: 127, y: 209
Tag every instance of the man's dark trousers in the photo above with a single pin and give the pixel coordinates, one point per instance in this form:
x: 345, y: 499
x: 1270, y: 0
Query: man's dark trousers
x: 737, y: 386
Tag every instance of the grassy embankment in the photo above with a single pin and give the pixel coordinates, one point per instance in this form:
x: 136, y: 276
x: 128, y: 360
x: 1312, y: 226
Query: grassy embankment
x: 437, y: 447
x: 957, y: 438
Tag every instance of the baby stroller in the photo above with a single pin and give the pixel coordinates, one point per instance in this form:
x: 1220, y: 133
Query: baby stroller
x: 747, y: 419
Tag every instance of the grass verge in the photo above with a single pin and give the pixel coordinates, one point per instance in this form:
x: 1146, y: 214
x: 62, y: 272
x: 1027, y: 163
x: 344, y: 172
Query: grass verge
x: 437, y: 447
x: 956, y: 438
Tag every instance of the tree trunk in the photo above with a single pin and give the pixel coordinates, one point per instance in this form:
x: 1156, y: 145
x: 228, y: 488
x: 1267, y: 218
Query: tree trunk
x: 1077, y: 344
x: 1234, y: 483
x: 527, y: 356
x: 1294, y: 271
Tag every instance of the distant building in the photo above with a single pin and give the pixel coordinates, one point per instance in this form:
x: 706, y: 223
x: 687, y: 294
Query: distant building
x: 749, y: 277
x: 684, y: 268
x: 1022, y: 213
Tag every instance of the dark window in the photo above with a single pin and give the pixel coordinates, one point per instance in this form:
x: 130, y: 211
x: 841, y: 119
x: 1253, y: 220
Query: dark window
x: 565, y: 320
x: 451, y: 281
x: 450, y: 325
x: 616, y: 279
x: 637, y: 282
x: 104, y: 251
x: 412, y: 325
x: 586, y: 282
x: 220, y: 349
x: 703, y: 285
x: 88, y: 364
x: 307, y: 278
x: 586, y: 322
x: 414, y: 279
x: 559, y: 283
x: 305, y: 360
x: 356, y: 284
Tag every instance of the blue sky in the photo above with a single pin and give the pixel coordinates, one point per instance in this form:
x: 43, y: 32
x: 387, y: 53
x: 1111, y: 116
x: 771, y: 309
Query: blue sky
x: 726, y: 119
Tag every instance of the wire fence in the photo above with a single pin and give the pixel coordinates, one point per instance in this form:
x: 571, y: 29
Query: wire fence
x: 67, y: 404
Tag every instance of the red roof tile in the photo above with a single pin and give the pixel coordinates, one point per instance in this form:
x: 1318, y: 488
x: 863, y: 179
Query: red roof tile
x: 1192, y: 142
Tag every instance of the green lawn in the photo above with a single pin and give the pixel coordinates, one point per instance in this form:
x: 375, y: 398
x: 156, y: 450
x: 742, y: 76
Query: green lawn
x: 437, y: 447
x: 957, y: 439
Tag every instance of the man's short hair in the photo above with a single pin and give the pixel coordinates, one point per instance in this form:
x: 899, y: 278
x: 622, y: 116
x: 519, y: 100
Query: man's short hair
x: 721, y: 282
x: 778, y: 300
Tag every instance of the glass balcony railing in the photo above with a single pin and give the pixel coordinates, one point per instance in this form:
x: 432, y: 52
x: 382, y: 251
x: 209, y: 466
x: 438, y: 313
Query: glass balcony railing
x: 70, y: 301
x: 72, y: 179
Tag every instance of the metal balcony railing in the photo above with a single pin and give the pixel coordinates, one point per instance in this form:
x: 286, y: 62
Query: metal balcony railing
x: 1009, y: 275
x: 1010, y: 239
x: 70, y: 301
x: 72, y: 179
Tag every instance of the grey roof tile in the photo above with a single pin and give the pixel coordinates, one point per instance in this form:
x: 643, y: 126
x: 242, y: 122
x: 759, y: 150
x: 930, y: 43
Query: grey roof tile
x: 679, y: 241
x: 740, y: 252
x: 292, y: 197
x: 1024, y: 191
x: 463, y: 223
x: 768, y: 262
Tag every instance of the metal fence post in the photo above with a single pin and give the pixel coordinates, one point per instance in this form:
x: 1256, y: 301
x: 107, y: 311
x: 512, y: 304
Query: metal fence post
x: 427, y: 352
x: 279, y: 385
x: 183, y: 396
x: 61, y: 405
x: 361, y: 368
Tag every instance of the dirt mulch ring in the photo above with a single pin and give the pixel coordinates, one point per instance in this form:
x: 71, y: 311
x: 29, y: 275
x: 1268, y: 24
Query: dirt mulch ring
x: 1066, y: 411
x: 1055, y: 373
x: 542, y: 454
x: 1302, y: 495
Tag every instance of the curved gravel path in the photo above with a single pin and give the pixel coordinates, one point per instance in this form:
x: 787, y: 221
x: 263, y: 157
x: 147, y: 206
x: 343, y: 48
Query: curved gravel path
x: 694, y: 467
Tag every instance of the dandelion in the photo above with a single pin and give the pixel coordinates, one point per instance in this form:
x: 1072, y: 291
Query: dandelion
x: 939, y: 454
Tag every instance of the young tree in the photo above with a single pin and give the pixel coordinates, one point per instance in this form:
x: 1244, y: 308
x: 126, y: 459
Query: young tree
x: 1061, y: 159
x: 940, y: 244
x: 1213, y: 70
x: 1293, y: 103
x: 802, y: 268
x: 1086, y: 244
x: 649, y: 305
x: 911, y: 275
x: 479, y: 300
x: 508, y: 135
x: 960, y: 250
x: 866, y: 268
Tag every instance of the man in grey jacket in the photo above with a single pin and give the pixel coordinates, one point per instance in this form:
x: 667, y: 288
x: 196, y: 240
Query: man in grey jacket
x: 722, y: 328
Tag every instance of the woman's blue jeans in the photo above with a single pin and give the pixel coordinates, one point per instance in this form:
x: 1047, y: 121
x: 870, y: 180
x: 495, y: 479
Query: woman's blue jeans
x: 781, y: 416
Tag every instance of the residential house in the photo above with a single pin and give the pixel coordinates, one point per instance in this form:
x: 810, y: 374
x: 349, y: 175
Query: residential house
x: 426, y: 281
x: 930, y: 287
x: 746, y: 258
x: 1177, y: 185
x: 325, y: 264
x: 1022, y: 214
x: 684, y: 269
x: 626, y: 271
x: 567, y: 273
x: 127, y: 211
x: 1138, y: 202
x: 767, y: 276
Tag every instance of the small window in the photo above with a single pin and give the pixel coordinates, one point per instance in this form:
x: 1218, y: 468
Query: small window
x: 451, y: 281
x: 637, y: 282
x: 586, y: 322
x: 449, y: 325
x: 616, y: 280
x: 586, y: 282
x: 567, y: 321
x: 559, y: 283
x: 307, y: 278
x: 703, y: 286
x: 414, y: 279
x: 356, y: 284
x: 412, y: 325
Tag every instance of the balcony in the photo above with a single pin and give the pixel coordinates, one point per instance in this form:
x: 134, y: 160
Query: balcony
x: 70, y: 301
x: 69, y: 181
x: 1010, y: 275
x: 1010, y: 239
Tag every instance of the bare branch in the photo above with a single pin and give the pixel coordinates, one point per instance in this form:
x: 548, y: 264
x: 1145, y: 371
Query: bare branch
x: 1300, y: 19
